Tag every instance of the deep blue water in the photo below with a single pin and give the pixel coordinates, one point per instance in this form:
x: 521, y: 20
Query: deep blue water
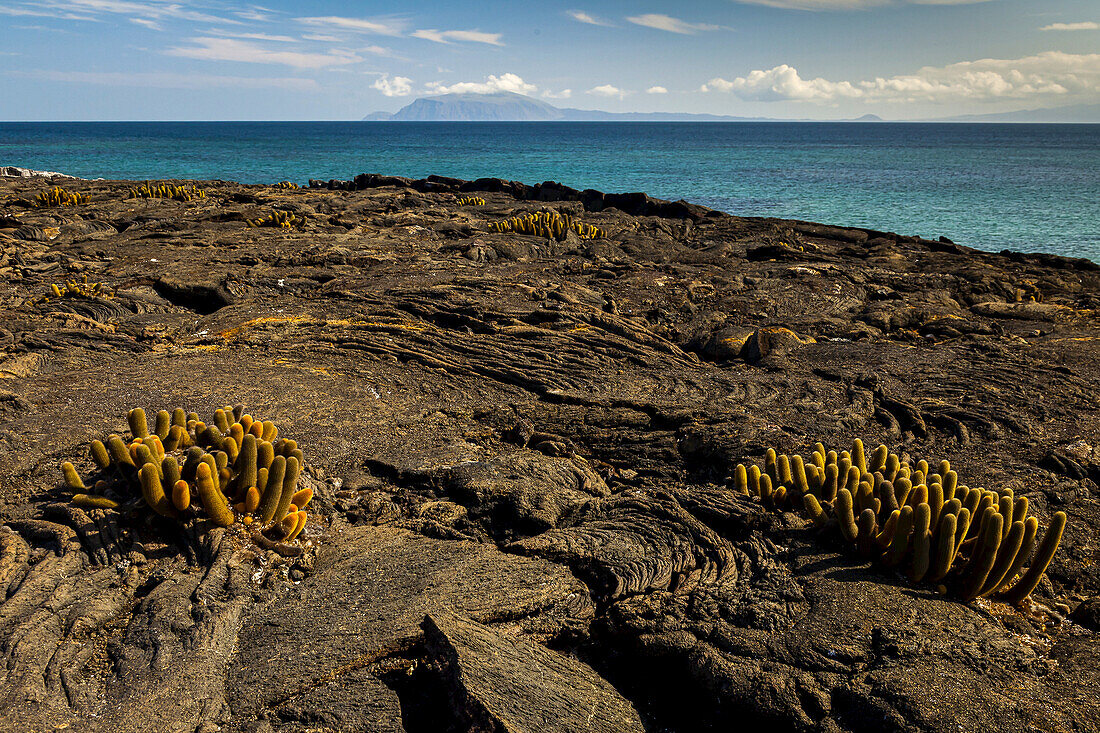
x: 1023, y: 187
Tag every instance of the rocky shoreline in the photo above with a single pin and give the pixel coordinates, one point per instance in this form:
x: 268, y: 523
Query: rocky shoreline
x: 519, y: 449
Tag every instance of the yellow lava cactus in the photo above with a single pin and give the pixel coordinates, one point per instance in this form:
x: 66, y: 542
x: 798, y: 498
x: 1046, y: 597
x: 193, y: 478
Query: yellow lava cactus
x: 290, y: 185
x: 278, y: 219
x: 167, y: 191
x: 549, y: 224
x: 235, y: 470
x: 58, y: 196
x: 74, y: 289
x: 913, y: 517
x: 470, y: 201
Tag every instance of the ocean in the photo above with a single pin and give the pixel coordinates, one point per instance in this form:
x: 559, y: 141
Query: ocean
x: 991, y: 186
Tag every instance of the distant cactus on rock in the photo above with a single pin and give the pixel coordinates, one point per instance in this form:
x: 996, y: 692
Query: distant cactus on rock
x: 186, y: 470
x: 58, y: 196
x: 913, y: 517
x: 166, y: 191
x: 470, y: 201
x: 549, y: 224
x: 277, y: 219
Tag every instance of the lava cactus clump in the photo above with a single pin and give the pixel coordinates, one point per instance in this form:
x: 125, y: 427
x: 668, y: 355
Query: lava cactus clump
x: 915, y: 517
x: 234, y: 470
x: 549, y: 224
x: 58, y: 196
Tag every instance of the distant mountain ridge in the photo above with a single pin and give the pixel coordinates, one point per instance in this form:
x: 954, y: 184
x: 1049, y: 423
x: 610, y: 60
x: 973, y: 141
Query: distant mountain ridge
x: 512, y: 107
x: 1079, y: 113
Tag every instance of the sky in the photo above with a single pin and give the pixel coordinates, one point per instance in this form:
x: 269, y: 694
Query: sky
x: 331, y: 60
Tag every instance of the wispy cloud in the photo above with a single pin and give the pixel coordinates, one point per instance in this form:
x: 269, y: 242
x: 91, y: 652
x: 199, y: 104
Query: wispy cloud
x: 152, y: 24
x: 253, y: 36
x: 230, y: 49
x: 582, y: 17
x: 1088, y: 25
x: 176, y: 81
x: 563, y: 94
x: 1052, y: 76
x: 256, y: 14
x: 398, y: 86
x: 656, y: 90
x: 670, y: 24
x: 607, y: 90
x: 850, y: 4
x: 503, y: 83
x: 40, y: 12
x: 154, y: 10
x: 385, y: 26
x: 493, y: 39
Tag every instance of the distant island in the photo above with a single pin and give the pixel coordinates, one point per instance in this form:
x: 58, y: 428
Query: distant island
x: 512, y: 107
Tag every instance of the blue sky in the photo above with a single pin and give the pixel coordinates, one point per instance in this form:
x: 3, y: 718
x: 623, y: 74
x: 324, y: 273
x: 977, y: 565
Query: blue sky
x: 902, y: 59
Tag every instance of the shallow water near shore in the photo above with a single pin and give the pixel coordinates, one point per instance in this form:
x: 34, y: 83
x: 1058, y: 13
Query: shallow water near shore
x: 1020, y: 187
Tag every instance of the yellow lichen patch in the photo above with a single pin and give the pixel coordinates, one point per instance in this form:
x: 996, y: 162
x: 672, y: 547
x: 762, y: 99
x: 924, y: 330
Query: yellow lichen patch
x: 231, y: 333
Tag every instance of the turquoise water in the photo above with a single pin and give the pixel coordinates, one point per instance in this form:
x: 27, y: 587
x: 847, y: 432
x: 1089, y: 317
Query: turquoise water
x: 1022, y: 187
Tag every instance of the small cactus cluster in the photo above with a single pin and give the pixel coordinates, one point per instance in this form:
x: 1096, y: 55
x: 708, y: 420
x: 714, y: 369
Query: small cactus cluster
x: 236, y: 469
x: 166, y: 191
x: 549, y: 224
x: 74, y: 289
x: 288, y: 185
x: 470, y: 201
x: 58, y: 196
x: 277, y: 219
x: 914, y: 516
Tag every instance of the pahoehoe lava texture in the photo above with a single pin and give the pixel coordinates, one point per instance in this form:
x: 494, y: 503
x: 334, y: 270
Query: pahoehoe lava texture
x: 517, y: 447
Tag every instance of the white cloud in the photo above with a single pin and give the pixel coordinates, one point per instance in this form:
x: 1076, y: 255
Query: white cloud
x: 1051, y: 76
x: 670, y: 24
x: 149, y: 9
x: 492, y: 83
x: 256, y: 13
x: 91, y: 10
x: 563, y: 94
x: 782, y: 83
x: 252, y: 36
x: 398, y: 86
x: 177, y: 81
x: 493, y: 39
x: 656, y: 90
x: 385, y: 27
x: 1086, y: 26
x: 850, y: 4
x: 230, y: 49
x: 147, y: 23
x: 582, y: 17
x: 606, y: 90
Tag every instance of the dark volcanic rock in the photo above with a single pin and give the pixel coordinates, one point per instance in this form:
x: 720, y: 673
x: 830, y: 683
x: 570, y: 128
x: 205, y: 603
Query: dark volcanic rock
x: 513, y: 686
x: 527, y: 441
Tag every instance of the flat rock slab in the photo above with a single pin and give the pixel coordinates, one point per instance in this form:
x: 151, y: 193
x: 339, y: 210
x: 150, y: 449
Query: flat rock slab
x: 509, y: 684
x: 371, y: 587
